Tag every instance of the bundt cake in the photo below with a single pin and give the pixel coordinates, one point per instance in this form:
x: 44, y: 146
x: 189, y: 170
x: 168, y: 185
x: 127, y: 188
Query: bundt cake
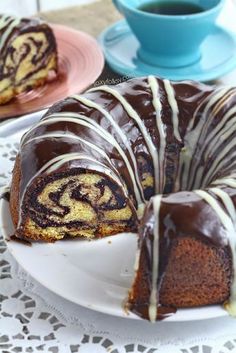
x: 148, y: 155
x: 27, y: 55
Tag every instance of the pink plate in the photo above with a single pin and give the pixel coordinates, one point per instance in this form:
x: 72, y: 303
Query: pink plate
x: 80, y: 63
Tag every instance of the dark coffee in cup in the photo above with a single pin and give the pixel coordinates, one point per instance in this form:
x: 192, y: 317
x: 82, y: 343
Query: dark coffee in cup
x: 171, y: 8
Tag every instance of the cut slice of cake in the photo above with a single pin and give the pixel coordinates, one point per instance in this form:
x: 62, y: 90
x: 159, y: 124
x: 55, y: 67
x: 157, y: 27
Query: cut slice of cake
x: 28, y: 53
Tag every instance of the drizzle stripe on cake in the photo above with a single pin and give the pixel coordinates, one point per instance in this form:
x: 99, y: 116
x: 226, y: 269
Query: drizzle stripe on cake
x: 161, y: 131
x: 133, y: 114
x: 87, y: 102
x: 153, y: 304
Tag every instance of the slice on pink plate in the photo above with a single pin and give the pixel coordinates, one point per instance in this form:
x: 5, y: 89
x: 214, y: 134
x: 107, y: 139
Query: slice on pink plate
x: 81, y: 62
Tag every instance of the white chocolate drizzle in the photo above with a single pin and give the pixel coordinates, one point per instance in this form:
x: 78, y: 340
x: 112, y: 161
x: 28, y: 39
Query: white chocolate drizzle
x: 192, y: 138
x: 174, y: 106
x: 228, y: 181
x: 84, y: 121
x: 134, y: 115
x: 78, y: 138
x: 153, y: 302
x: 87, y: 102
x: 227, y: 201
x: 137, y: 259
x: 219, y: 161
x: 153, y: 83
x: 229, y: 224
x: 213, y: 140
x: 216, y: 207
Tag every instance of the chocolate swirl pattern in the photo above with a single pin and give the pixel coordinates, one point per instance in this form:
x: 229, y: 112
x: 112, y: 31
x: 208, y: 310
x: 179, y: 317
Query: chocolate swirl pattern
x: 27, y: 55
x: 95, y: 162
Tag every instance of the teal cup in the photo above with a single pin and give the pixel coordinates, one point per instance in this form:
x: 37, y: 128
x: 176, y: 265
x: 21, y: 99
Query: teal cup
x: 170, y: 40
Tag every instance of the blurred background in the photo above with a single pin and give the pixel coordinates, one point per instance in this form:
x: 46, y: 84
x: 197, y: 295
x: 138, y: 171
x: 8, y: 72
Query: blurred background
x: 30, y: 7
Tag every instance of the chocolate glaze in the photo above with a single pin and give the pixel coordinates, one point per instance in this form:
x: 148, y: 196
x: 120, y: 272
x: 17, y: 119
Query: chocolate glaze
x: 182, y: 214
x: 197, y: 104
x: 5, y: 196
x: 138, y: 94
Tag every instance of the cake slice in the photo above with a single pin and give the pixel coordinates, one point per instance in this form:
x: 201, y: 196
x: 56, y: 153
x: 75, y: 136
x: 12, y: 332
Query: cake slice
x: 28, y: 53
x: 178, y: 263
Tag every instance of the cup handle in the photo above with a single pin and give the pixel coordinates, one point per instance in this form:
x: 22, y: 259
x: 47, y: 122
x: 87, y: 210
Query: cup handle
x: 117, y: 5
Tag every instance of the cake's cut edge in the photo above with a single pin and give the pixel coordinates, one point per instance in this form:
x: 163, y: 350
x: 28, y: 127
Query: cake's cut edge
x: 58, y: 206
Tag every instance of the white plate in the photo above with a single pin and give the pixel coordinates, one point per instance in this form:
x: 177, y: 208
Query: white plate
x: 95, y: 274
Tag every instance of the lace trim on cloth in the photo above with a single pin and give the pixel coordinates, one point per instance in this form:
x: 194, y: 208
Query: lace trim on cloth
x: 33, y: 319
